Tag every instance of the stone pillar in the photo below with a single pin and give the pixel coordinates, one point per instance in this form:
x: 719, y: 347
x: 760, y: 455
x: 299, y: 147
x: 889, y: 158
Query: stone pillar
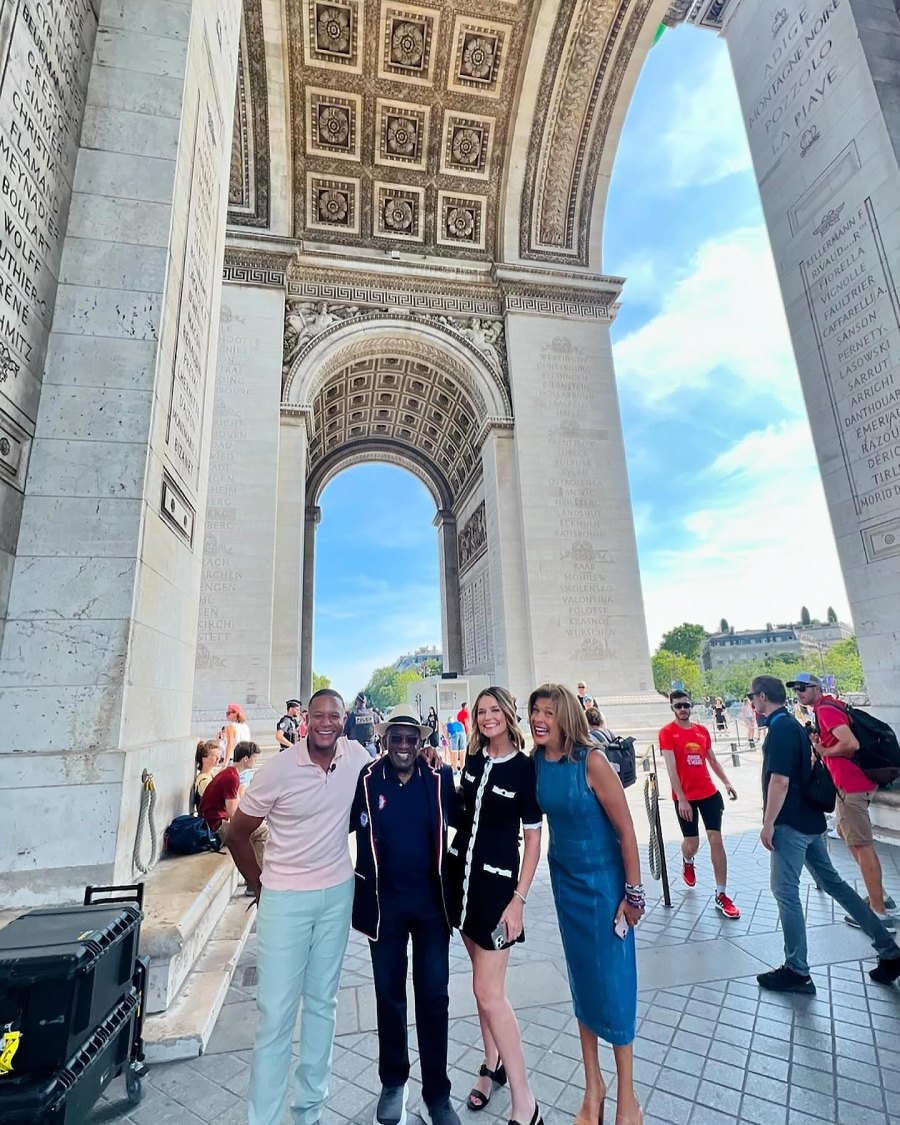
x: 96, y: 668
x: 513, y: 661
x: 290, y: 533
x: 445, y: 522
x: 818, y: 82
x: 584, y: 605
x: 234, y: 638
x: 307, y: 606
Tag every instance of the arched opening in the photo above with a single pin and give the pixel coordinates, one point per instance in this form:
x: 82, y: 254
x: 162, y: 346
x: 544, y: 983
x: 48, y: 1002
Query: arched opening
x: 710, y: 396
x: 377, y: 572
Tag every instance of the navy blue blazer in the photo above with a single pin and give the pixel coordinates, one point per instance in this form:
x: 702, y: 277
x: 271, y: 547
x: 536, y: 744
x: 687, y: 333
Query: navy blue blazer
x: 365, y: 821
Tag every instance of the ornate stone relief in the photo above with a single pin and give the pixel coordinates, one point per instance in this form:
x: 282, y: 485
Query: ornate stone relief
x: 332, y: 34
x: 332, y: 124
x: 249, y: 182
x: 306, y: 321
x: 399, y: 212
x: 255, y: 267
x: 472, y: 540
x: 401, y: 132
x: 591, y: 48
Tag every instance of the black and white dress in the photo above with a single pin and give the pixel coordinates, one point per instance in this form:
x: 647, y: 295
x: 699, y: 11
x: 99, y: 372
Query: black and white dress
x: 483, y: 860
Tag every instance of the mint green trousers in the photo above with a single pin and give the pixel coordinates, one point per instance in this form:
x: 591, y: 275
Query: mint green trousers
x: 302, y: 938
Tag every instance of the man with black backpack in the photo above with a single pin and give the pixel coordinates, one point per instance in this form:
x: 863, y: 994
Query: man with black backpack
x: 793, y: 827
x: 837, y: 742
x: 359, y: 725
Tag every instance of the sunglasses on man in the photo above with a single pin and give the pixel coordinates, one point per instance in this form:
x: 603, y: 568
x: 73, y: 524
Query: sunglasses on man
x: 682, y: 706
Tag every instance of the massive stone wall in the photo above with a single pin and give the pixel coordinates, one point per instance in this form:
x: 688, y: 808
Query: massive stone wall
x: 45, y: 60
x: 819, y: 121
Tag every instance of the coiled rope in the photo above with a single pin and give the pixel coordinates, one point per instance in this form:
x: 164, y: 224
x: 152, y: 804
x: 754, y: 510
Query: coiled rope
x: 145, y: 816
x: 651, y: 801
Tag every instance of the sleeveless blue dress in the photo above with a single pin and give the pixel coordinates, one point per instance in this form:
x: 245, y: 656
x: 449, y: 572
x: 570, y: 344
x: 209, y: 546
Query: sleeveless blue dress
x: 588, y: 879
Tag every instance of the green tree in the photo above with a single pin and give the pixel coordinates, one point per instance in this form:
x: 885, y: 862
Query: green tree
x: 320, y: 682
x: 832, y: 616
x: 685, y: 640
x: 843, y: 662
x: 804, y: 616
x: 387, y: 686
x: 431, y: 668
x: 670, y: 667
x: 723, y: 625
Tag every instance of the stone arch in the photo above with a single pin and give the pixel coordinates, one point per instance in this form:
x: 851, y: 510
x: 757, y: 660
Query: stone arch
x: 385, y: 452
x: 376, y: 333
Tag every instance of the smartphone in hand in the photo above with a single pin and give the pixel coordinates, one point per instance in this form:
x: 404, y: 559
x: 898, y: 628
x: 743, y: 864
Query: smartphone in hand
x: 620, y: 926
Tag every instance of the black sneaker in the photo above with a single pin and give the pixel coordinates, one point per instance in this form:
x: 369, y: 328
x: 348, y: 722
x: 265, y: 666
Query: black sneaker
x: 391, y: 1109
x: 784, y: 979
x: 886, y: 971
x: 441, y: 1113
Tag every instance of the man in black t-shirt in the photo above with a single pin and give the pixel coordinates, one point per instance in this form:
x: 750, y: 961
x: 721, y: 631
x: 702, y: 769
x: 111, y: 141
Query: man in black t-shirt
x: 288, y: 726
x: 793, y: 831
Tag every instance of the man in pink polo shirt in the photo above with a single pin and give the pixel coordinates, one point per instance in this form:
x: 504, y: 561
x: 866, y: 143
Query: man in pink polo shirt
x: 837, y: 744
x: 305, y: 896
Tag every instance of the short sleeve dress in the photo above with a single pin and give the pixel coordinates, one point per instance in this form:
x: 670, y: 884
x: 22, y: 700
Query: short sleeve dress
x: 500, y: 800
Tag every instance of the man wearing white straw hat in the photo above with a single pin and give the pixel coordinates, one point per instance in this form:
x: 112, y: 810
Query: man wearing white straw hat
x: 400, y: 814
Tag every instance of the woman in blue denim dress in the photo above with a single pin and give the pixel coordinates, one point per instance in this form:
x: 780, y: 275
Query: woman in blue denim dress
x: 596, y: 877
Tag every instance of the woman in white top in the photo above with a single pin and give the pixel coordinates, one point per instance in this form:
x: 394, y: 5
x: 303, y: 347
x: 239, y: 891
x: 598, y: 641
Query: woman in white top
x: 236, y: 730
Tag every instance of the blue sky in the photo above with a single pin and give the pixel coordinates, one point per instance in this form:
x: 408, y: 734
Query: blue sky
x: 729, y: 508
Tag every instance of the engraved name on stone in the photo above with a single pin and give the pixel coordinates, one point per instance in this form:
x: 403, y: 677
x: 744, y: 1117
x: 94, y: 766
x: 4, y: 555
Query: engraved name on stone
x: 192, y: 347
x: 855, y: 309
x: 801, y: 72
x: 575, y: 469
x: 44, y: 64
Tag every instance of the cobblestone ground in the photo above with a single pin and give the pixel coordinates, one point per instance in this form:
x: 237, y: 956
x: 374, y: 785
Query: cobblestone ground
x: 711, y: 1049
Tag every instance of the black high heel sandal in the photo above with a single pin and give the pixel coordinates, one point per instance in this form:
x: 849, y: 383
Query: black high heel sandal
x: 536, y: 1118
x: 476, y: 1100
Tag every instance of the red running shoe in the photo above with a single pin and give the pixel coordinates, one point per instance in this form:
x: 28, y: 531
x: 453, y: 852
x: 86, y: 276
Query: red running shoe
x: 725, y: 906
x: 689, y: 875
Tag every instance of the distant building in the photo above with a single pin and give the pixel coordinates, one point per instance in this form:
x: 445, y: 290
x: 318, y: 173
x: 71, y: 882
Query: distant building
x: 721, y: 649
x: 414, y: 660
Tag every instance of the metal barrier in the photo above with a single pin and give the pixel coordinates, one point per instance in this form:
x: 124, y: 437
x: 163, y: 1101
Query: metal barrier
x: 658, y: 868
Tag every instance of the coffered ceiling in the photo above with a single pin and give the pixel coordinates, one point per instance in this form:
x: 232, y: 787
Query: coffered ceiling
x: 401, y: 114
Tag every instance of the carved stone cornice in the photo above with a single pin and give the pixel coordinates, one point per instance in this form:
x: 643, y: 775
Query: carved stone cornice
x: 557, y: 301
x: 430, y: 295
x: 591, y: 48
x: 264, y: 267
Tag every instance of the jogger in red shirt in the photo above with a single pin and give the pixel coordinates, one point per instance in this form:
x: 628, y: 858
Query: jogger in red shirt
x: 687, y: 750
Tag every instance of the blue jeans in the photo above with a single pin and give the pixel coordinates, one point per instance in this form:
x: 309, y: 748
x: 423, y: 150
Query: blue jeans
x: 301, y: 946
x: 791, y: 851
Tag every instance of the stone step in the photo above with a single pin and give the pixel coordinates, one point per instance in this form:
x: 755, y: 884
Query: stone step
x: 184, y: 899
x: 183, y: 1031
x: 884, y: 812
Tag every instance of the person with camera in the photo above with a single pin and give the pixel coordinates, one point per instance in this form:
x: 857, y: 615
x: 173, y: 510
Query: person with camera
x: 687, y: 751
x: 401, y: 811
x: 490, y: 888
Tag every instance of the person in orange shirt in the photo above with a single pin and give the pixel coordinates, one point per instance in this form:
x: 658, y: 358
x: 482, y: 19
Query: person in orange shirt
x: 687, y: 750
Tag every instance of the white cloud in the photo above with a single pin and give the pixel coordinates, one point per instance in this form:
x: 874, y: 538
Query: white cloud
x: 760, y: 548
x: 724, y: 313
x: 702, y: 143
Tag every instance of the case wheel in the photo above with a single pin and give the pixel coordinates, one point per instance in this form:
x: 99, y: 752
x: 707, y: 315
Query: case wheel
x: 134, y: 1090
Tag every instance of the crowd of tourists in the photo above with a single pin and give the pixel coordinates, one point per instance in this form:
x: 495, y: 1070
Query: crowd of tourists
x: 435, y: 853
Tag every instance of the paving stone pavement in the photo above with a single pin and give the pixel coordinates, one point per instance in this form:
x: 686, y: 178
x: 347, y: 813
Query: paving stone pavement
x: 711, y: 1049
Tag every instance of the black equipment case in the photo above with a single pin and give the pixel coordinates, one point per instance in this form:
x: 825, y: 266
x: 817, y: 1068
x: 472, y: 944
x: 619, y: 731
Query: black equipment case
x: 62, y: 970
x: 72, y: 991
x: 67, y: 1096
